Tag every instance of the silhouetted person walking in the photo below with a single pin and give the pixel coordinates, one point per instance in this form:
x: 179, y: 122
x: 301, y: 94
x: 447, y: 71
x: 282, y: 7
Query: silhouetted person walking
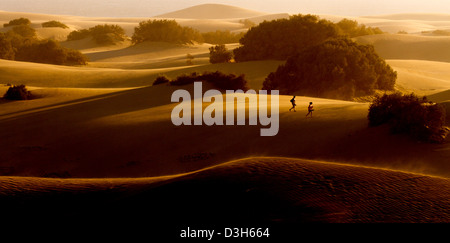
x: 310, y: 109
x: 293, y: 104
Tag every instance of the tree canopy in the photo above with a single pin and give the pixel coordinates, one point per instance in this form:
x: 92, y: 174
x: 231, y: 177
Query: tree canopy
x: 219, y: 54
x: 279, y: 39
x: 337, y: 68
x: 21, y: 44
x: 351, y: 28
x: 165, y: 31
x: 102, y: 34
x: 19, y: 21
x: 50, y: 52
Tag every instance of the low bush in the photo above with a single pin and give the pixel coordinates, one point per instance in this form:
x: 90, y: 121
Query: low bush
x: 78, y: 35
x: 219, y: 54
x: 409, y: 114
x: 19, y: 21
x: 101, y: 34
x: 50, y: 52
x: 165, y: 31
x: 18, y: 92
x: 23, y: 31
x: 218, y: 79
x: 54, y: 23
x: 161, y: 79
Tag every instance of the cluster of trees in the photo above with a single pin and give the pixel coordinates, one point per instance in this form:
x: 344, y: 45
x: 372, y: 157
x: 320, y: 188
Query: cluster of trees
x: 102, y: 34
x: 279, y: 39
x: 409, y: 114
x: 337, y: 68
x: 219, y: 54
x: 172, y: 32
x: 54, y: 23
x: 218, y: 79
x: 50, y: 52
x: 19, y: 21
x: 20, y: 43
x: 164, y: 31
x: 351, y: 28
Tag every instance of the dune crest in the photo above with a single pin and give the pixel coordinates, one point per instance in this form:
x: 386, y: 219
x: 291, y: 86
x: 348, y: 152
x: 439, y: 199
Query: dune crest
x: 264, y: 190
x: 212, y: 11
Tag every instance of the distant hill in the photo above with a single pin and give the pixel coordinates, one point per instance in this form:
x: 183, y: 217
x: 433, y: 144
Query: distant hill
x: 414, y: 16
x: 212, y: 11
x: 412, y: 47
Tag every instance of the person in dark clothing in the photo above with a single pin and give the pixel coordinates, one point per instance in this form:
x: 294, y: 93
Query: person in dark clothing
x: 293, y: 104
x: 310, y: 109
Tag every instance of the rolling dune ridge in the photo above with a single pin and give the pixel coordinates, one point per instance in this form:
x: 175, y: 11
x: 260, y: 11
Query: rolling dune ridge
x: 264, y: 190
x: 97, y: 141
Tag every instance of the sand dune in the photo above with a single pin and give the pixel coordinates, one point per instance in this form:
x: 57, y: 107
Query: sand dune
x: 212, y: 11
x: 263, y: 190
x: 398, y: 46
x: 126, y: 74
x: 105, y: 121
x: 207, y: 17
x: 58, y: 34
x: 123, y: 125
x: 211, y: 17
x: 411, y: 23
x: 421, y: 77
x: 414, y: 16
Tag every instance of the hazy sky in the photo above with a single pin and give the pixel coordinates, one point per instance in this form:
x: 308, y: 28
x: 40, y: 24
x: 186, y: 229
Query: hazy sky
x: 149, y: 8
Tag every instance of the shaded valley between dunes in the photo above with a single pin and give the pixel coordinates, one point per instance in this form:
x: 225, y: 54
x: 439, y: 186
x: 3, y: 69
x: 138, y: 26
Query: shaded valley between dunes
x: 97, y: 141
x: 264, y: 190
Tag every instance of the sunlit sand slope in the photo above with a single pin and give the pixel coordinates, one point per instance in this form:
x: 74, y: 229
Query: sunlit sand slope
x: 422, y: 77
x: 128, y: 133
x: 398, y: 46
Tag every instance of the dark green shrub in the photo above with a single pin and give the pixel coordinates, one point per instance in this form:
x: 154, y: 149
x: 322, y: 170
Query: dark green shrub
x: 78, y: 35
x: 54, y: 23
x: 282, y: 38
x: 351, y: 28
x: 50, y: 52
x: 19, y: 92
x: 219, y: 80
x: 24, y: 31
x: 161, y: 79
x: 226, y: 81
x: 19, y: 21
x: 279, y: 39
x: 101, y: 34
x: 164, y: 31
x: 20, y: 46
x: 184, y: 79
x: 6, y: 48
x: 409, y: 114
x: 219, y: 54
x: 107, y: 34
x: 337, y: 68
